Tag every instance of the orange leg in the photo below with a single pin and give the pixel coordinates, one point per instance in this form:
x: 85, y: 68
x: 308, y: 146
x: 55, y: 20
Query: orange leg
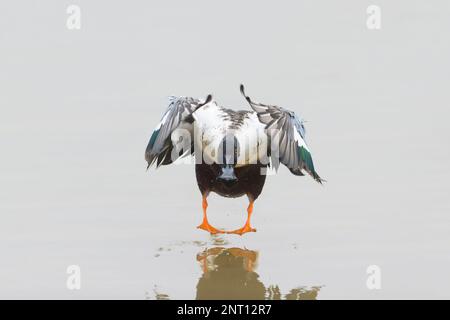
x: 246, y: 228
x: 205, y: 224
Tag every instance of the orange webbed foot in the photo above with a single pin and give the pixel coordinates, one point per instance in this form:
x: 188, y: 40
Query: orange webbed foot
x: 242, y: 230
x: 209, y: 228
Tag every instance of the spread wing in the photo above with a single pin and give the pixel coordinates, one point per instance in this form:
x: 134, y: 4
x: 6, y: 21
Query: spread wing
x: 177, y: 115
x: 288, y: 130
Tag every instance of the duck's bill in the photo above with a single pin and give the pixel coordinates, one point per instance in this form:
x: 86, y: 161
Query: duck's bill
x: 227, y: 174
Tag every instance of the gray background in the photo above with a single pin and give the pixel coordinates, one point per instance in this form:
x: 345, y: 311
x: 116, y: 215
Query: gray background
x: 78, y: 107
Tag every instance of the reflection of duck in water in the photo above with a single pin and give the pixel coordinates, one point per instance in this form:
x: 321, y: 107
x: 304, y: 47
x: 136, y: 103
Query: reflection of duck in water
x: 228, y: 273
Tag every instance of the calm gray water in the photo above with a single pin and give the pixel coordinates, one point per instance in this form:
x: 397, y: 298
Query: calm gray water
x: 78, y: 108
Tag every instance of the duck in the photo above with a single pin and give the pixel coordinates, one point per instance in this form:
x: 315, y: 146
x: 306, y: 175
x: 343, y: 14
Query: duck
x: 234, y: 150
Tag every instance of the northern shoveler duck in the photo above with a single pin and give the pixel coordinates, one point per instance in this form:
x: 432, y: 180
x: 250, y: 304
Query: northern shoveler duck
x: 232, y: 149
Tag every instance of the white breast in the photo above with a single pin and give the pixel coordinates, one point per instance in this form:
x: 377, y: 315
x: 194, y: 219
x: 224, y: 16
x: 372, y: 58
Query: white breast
x: 252, y: 141
x: 212, y: 125
x: 209, y: 130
